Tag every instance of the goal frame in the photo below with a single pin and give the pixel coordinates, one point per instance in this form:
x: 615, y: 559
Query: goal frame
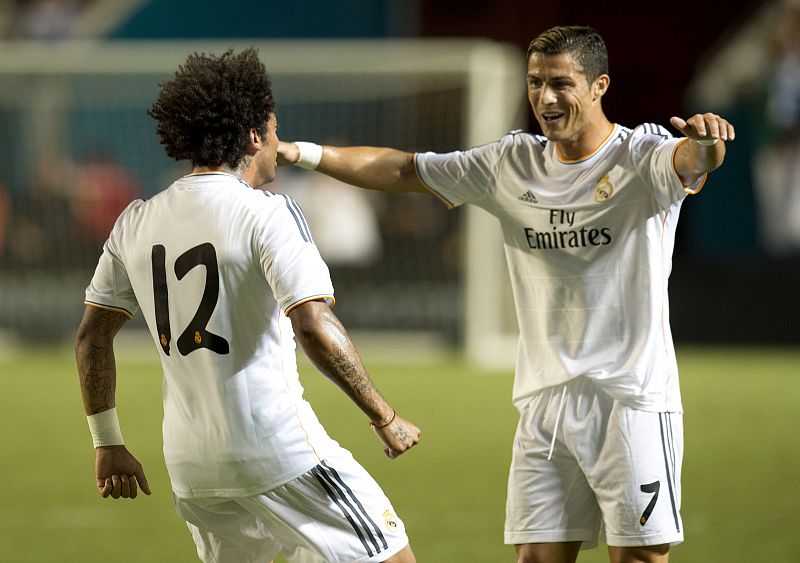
x: 495, y: 104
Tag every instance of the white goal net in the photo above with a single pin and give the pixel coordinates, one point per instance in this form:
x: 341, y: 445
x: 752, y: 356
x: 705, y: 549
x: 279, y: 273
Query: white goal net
x: 77, y: 145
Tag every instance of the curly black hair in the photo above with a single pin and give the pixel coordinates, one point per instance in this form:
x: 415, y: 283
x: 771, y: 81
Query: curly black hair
x: 205, y: 113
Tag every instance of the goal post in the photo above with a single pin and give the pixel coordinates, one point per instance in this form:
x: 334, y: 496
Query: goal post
x: 64, y: 105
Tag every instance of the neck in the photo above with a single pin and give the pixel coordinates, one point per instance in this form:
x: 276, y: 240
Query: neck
x: 224, y: 167
x: 586, y: 142
x: 205, y: 169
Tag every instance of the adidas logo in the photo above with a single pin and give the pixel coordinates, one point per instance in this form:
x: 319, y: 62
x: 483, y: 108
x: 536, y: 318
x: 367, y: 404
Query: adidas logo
x: 528, y: 197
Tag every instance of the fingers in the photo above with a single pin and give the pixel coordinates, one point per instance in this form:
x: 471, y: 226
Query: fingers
x: 706, y: 126
x: 123, y: 486
x: 288, y: 153
x: 142, y: 481
x: 104, y: 486
x: 678, y: 123
x: 116, y: 486
x: 730, y: 131
x: 398, y: 437
x: 698, y: 123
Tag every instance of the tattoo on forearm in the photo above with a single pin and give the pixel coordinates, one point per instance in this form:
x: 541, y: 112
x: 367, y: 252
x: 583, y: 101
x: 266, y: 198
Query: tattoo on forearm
x: 98, y: 377
x: 350, y: 372
x: 95, y: 357
x: 345, y: 366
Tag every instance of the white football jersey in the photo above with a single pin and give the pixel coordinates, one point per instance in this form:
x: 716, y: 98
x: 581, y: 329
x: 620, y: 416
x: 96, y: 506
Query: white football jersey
x: 589, y: 250
x: 213, y: 265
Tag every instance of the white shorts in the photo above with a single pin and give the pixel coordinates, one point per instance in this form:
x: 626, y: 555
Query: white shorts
x: 334, y: 512
x: 611, y: 465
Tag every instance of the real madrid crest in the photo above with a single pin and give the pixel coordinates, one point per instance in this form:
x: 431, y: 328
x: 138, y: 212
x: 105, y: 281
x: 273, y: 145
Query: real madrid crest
x: 603, y: 189
x: 390, y: 519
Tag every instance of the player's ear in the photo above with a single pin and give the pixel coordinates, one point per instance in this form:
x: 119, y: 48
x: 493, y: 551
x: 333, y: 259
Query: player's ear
x: 600, y: 86
x: 253, y: 142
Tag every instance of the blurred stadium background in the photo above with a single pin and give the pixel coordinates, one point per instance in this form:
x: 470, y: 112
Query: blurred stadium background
x: 423, y: 290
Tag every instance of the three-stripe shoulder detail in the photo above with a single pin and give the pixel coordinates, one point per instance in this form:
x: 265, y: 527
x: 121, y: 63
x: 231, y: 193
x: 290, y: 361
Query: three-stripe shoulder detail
x: 299, y: 218
x: 623, y: 133
x: 658, y: 130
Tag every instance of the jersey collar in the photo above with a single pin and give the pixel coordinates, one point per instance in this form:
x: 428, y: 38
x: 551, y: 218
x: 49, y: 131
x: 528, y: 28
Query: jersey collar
x: 584, y: 158
x: 217, y: 173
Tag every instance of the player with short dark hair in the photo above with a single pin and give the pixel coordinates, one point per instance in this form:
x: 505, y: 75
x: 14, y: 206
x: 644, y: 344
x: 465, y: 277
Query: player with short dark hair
x: 588, y: 212
x: 226, y: 278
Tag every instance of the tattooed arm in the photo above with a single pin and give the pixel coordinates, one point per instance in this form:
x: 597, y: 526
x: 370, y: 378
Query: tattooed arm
x: 117, y: 472
x: 94, y: 352
x: 327, y: 345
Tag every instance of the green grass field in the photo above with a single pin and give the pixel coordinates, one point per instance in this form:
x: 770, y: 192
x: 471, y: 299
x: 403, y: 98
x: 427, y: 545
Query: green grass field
x: 740, y: 480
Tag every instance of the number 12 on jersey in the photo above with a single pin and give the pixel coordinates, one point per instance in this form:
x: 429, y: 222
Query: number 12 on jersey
x: 195, y: 335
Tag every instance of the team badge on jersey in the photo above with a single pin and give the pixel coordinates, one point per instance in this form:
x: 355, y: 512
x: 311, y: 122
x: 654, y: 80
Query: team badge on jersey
x: 391, y: 521
x: 603, y: 189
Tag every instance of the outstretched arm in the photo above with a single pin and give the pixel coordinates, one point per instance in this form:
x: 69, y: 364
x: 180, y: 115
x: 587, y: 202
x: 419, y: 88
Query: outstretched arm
x: 117, y: 472
x: 328, y: 346
x: 706, y: 149
x: 373, y: 168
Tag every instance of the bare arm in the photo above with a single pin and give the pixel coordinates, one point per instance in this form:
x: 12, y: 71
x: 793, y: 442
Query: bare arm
x: 117, y: 472
x: 373, y: 168
x: 693, y: 159
x: 327, y: 345
x: 94, y: 352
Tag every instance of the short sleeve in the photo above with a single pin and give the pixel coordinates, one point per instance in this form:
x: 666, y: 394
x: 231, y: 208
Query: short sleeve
x: 111, y: 287
x: 655, y: 158
x: 289, y: 258
x: 462, y: 176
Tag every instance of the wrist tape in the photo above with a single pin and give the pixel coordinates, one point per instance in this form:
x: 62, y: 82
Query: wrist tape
x: 104, y: 427
x: 310, y: 155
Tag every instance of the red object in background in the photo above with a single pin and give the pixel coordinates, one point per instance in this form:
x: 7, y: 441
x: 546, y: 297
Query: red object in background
x: 103, y: 189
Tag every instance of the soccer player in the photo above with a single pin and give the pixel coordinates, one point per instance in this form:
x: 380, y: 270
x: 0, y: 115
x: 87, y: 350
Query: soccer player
x: 226, y: 277
x: 588, y: 213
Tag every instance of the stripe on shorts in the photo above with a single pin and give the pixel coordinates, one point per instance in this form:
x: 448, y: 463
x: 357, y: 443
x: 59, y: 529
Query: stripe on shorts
x: 350, y: 507
x: 669, y: 465
x: 671, y: 441
x: 352, y: 495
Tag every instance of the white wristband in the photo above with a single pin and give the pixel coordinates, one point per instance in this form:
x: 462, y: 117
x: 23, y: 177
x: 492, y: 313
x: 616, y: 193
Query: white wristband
x: 104, y: 427
x: 706, y: 142
x: 310, y: 155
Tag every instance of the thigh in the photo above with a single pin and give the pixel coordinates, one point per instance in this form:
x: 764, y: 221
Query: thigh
x: 549, y: 552
x: 549, y: 500
x: 636, y: 476
x: 224, y: 532
x: 336, y: 511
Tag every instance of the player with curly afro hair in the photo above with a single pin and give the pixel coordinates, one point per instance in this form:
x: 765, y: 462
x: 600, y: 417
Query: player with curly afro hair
x: 205, y: 113
x: 228, y: 279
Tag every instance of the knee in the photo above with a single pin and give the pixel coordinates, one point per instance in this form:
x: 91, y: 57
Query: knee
x: 643, y: 554
x: 548, y: 552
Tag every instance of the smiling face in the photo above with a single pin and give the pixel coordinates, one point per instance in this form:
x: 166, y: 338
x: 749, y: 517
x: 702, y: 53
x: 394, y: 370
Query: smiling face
x: 565, y: 104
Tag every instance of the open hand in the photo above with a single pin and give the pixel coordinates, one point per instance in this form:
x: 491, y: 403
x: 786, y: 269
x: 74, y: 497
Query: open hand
x: 705, y: 126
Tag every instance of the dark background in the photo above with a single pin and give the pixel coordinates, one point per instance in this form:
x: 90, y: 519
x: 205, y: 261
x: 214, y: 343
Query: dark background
x: 724, y: 287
